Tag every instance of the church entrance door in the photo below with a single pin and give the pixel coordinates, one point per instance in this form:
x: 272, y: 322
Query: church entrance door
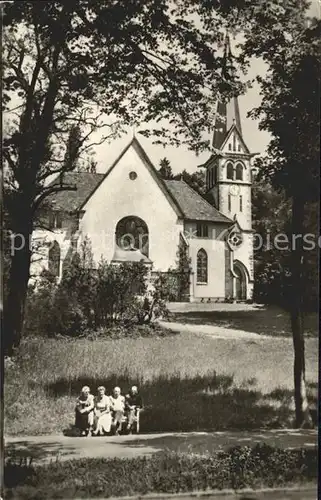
x: 240, y: 284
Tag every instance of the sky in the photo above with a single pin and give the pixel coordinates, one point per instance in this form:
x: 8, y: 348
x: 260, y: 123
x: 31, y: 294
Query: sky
x: 180, y: 157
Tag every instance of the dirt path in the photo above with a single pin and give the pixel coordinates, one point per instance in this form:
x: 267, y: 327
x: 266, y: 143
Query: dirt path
x: 43, y: 449
x: 219, y: 332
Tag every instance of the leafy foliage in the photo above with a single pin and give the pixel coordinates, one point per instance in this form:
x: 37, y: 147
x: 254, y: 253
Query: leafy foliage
x: 89, y: 299
x: 168, y: 472
x: 40, y: 306
x: 177, y: 281
x: 6, y: 260
x: 271, y: 212
x: 290, y: 111
x: 165, y: 170
x: 196, y: 180
x: 271, y: 217
x: 80, y: 68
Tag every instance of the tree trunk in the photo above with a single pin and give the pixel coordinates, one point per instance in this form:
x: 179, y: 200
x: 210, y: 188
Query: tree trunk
x: 302, y: 413
x: 17, y: 293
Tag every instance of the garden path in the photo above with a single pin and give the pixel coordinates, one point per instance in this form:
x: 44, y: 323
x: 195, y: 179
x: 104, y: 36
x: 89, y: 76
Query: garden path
x: 46, y: 448
x: 213, y: 331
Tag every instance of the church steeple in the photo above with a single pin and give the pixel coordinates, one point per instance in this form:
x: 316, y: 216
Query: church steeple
x: 227, y: 112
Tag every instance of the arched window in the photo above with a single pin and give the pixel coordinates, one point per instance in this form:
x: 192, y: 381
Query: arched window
x: 202, y: 266
x: 132, y: 234
x: 229, y: 171
x: 54, y: 259
x: 239, y: 172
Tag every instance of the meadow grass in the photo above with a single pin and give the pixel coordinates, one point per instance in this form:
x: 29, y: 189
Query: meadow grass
x: 188, y: 382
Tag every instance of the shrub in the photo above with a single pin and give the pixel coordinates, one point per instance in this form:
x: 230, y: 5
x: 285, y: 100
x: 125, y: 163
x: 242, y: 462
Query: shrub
x: 40, y: 306
x: 168, y: 472
x: 178, y: 280
x: 89, y: 299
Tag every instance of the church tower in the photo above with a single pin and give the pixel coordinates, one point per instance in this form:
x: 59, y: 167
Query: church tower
x: 229, y: 177
x: 229, y: 185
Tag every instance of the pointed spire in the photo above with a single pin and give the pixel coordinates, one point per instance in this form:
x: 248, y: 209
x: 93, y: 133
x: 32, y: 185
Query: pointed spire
x: 227, y: 113
x: 134, y: 129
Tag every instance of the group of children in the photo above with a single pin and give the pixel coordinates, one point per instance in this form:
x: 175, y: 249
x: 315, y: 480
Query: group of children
x: 102, y: 414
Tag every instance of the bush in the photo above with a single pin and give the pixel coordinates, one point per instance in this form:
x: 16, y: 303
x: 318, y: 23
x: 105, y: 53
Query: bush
x: 169, y: 472
x: 89, y: 299
x: 40, y: 306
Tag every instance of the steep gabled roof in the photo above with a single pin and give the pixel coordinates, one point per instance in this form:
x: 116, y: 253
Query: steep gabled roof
x: 187, y: 203
x: 193, y: 205
x: 228, y: 135
x: 144, y: 157
x: 70, y: 201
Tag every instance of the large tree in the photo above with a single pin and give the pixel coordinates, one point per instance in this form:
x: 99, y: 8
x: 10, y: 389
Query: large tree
x: 67, y: 65
x: 271, y: 219
x: 278, y: 32
x: 290, y: 112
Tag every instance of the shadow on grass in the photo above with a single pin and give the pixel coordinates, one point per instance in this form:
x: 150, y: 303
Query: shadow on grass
x: 33, y: 452
x: 204, y: 444
x: 264, y: 320
x: 201, y: 403
x: 24, y: 452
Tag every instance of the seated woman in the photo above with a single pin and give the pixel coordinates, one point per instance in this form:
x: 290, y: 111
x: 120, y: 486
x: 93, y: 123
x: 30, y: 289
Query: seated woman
x: 102, y: 415
x: 85, y: 412
x: 117, y: 404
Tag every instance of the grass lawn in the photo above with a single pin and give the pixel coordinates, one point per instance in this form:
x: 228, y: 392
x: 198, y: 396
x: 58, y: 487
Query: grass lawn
x: 264, y: 320
x: 188, y: 382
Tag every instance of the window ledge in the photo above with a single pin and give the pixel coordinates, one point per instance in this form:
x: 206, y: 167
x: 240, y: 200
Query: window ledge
x: 201, y: 283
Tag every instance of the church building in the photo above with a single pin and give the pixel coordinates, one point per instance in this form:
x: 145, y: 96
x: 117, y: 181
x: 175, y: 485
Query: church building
x: 131, y: 214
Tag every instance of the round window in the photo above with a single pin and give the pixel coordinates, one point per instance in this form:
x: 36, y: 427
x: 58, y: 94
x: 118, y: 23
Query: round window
x: 132, y: 176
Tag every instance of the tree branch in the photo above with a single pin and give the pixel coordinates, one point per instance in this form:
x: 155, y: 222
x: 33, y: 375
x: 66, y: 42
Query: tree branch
x: 48, y: 191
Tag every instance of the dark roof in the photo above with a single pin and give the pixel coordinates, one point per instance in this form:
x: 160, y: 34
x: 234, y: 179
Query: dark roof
x: 193, y: 205
x: 187, y: 202
x: 70, y: 201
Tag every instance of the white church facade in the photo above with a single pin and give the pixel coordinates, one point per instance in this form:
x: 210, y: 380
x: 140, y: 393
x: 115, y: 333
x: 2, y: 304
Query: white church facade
x: 131, y: 214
